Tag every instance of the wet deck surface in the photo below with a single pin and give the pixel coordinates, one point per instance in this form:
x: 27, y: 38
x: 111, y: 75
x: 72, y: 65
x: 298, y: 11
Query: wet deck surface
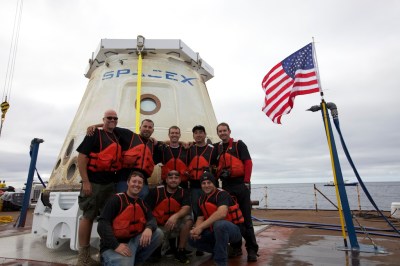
x: 279, y: 245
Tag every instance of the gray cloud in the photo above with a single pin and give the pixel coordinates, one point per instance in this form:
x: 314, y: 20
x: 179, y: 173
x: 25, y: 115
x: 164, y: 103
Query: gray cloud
x: 356, y: 54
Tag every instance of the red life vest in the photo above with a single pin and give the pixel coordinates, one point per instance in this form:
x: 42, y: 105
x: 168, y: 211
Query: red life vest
x: 131, y: 219
x: 200, y: 162
x: 172, y: 163
x: 208, y: 205
x: 166, y: 206
x: 229, y: 160
x: 108, y: 159
x: 139, y: 155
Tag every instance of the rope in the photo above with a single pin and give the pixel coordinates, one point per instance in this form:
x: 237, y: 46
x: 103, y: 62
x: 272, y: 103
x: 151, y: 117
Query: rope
x: 13, y: 52
x: 11, y: 63
x: 336, y: 122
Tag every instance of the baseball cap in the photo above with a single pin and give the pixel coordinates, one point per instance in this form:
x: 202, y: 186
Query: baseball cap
x: 199, y: 127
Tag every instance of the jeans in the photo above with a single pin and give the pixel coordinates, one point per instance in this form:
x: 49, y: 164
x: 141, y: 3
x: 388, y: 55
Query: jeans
x: 139, y: 254
x: 195, y: 194
x: 216, y: 241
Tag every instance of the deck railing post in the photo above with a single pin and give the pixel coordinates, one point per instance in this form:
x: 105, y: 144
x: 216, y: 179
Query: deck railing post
x: 28, y: 188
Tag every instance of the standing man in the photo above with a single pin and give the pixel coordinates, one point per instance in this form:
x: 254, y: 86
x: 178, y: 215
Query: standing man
x: 171, y: 208
x: 234, y: 169
x: 218, y: 222
x: 174, y: 157
x: 201, y: 157
x: 98, y: 161
x: 128, y: 231
x: 139, y: 153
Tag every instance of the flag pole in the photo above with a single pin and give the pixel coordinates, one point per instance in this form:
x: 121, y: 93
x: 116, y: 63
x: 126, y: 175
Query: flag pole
x: 321, y: 92
x: 328, y: 135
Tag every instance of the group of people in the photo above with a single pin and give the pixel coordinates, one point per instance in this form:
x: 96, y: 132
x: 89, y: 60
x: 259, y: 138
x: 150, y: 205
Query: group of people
x: 136, y: 222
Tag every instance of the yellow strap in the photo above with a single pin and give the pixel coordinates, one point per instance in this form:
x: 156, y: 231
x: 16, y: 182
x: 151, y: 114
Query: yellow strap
x: 138, y: 93
x: 333, y: 169
x: 6, y: 219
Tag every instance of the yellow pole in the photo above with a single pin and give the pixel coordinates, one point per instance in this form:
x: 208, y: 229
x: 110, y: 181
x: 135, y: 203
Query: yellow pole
x: 138, y: 93
x: 334, y: 171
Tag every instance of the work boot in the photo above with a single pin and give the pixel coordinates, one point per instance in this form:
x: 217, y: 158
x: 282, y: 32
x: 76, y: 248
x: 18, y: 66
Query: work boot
x: 234, y: 252
x: 251, y: 255
x: 199, y: 253
x: 172, y: 248
x: 188, y: 252
x: 84, y: 258
x: 170, y: 253
x: 181, y: 256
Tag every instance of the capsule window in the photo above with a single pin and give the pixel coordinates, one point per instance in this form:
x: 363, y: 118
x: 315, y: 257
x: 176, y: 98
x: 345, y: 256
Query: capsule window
x: 149, y: 104
x: 71, y: 170
x: 57, y: 164
x: 69, y: 149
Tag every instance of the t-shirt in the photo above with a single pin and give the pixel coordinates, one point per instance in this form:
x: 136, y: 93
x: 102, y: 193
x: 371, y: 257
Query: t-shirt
x: 183, y: 200
x: 92, y: 144
x: 110, y: 212
x: 219, y: 198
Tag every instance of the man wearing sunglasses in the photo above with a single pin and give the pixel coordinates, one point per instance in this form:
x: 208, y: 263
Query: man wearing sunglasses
x: 139, y: 153
x: 99, y: 159
x: 171, y: 208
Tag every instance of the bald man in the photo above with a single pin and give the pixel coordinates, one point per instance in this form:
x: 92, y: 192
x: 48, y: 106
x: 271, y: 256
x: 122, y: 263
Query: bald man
x: 99, y: 159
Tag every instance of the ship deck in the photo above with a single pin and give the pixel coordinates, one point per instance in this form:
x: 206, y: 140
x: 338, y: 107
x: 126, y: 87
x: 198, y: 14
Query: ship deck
x: 280, y: 243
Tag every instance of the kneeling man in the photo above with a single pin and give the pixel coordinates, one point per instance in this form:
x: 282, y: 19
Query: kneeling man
x: 171, y: 208
x: 128, y: 231
x: 218, y: 222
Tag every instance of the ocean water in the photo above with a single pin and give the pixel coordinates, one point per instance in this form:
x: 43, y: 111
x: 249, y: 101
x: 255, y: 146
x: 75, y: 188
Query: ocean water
x: 303, y: 196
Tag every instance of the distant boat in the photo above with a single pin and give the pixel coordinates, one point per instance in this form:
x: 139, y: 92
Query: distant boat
x: 346, y: 183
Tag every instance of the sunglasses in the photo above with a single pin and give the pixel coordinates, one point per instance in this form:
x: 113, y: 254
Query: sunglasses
x: 173, y: 174
x: 112, y: 118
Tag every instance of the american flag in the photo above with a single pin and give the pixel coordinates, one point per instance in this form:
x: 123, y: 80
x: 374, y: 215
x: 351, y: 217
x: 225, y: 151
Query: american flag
x: 295, y: 75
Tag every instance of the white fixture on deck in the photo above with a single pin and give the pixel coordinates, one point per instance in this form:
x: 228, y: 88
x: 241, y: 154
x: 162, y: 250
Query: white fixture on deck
x: 395, y: 210
x: 60, y: 223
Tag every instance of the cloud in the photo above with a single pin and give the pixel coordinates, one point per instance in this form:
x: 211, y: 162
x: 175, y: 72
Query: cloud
x: 356, y: 55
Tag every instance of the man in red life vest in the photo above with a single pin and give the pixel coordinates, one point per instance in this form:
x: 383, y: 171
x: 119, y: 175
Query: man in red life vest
x: 171, y: 208
x: 98, y: 161
x: 234, y: 169
x: 174, y: 156
x: 139, y: 152
x: 201, y: 157
x: 128, y: 231
x: 218, y: 223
